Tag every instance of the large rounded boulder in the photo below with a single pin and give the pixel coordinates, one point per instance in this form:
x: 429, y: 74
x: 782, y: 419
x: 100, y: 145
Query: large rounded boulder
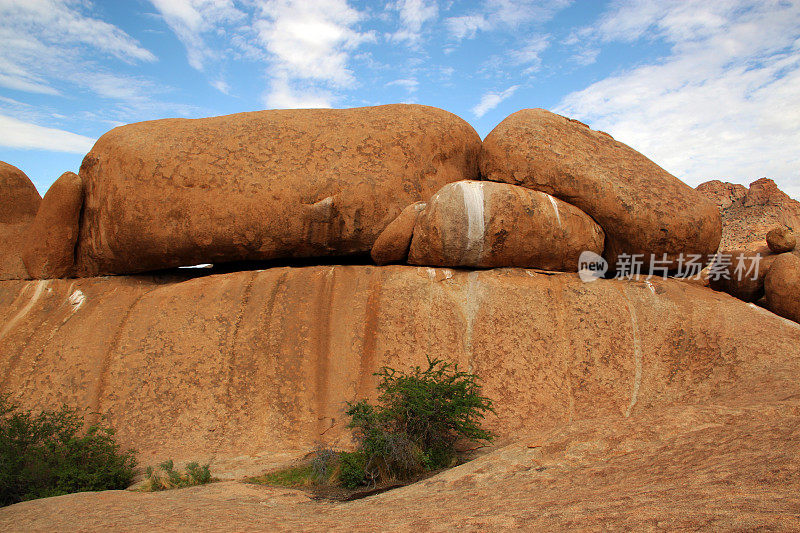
x: 642, y: 208
x: 49, y: 249
x: 20, y: 198
x: 19, y: 201
x: 263, y: 185
x: 782, y: 286
x: 481, y: 224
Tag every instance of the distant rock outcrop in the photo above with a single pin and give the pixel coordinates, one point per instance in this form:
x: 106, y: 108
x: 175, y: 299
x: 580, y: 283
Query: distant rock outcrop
x: 642, y: 208
x: 19, y: 201
x: 263, y: 185
x: 483, y: 224
x: 752, y: 212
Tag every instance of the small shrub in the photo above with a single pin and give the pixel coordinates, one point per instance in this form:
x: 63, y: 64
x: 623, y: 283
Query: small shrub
x: 419, y: 418
x: 323, y: 466
x: 291, y: 477
x: 50, y: 454
x: 169, y: 478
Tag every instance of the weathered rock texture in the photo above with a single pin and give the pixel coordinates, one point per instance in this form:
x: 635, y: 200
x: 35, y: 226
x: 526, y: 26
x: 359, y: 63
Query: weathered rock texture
x: 727, y: 467
x: 741, y: 273
x: 235, y: 365
x: 258, y: 364
x: 781, y: 239
x: 263, y: 185
x: 723, y: 194
x: 393, y: 243
x: 19, y: 201
x: 20, y: 198
x: 642, y: 208
x: 49, y: 250
x: 486, y: 224
x: 782, y: 286
x: 752, y: 212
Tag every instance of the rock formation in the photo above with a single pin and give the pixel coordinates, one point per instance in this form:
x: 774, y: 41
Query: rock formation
x: 623, y: 403
x: 20, y: 201
x: 49, y: 250
x: 781, y: 239
x: 479, y: 224
x: 782, y: 286
x: 262, y: 185
x: 253, y: 363
x: 393, y: 243
x: 752, y: 212
x: 641, y: 207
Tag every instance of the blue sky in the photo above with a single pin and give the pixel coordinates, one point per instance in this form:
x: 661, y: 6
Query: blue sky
x: 707, y: 89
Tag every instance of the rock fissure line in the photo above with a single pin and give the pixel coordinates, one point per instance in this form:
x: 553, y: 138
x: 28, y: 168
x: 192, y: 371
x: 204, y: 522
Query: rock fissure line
x: 637, y: 353
x: 323, y: 310
x: 233, y: 335
x: 102, y: 377
x: 371, y: 310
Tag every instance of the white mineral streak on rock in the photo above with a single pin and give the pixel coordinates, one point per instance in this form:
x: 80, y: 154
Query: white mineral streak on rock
x: 637, y: 354
x: 555, y: 209
x: 76, y: 299
x: 472, y: 193
x: 41, y: 285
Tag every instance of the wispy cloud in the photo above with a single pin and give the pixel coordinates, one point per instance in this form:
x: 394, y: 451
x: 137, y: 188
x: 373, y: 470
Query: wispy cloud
x: 192, y: 20
x: 497, y: 14
x: 491, y: 100
x: 722, y: 104
x: 413, y: 15
x: 18, y: 134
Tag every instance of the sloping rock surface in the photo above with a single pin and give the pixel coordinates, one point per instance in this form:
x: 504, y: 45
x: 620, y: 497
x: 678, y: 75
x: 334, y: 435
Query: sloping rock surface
x: 258, y: 363
x: 641, y: 207
x: 262, y: 185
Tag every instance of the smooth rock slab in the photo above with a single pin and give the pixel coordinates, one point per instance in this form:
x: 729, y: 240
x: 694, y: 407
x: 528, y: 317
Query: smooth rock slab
x: 641, y: 207
x: 259, y: 364
x: 482, y: 224
x: 262, y: 185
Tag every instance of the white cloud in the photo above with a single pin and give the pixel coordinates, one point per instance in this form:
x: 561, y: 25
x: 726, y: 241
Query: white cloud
x: 46, y: 42
x: 222, y: 86
x: 530, y: 54
x: 410, y: 84
x: 18, y: 134
x: 722, y: 104
x: 497, y: 14
x: 191, y: 19
x: 309, y: 42
x: 283, y: 96
x: 413, y: 15
x: 491, y: 100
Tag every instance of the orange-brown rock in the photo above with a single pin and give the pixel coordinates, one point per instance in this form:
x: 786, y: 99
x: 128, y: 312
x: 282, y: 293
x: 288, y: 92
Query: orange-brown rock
x: 741, y: 273
x: 392, y: 244
x: 20, y: 198
x: 485, y: 224
x: 723, y: 194
x: 258, y: 365
x: 642, y: 208
x: 781, y: 239
x: 49, y: 250
x: 233, y: 368
x: 728, y: 467
x: 263, y: 185
x: 782, y: 286
x: 19, y: 201
x: 748, y: 218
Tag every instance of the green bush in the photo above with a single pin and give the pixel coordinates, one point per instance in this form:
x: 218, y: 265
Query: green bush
x: 49, y: 454
x: 419, y: 418
x: 169, y: 478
